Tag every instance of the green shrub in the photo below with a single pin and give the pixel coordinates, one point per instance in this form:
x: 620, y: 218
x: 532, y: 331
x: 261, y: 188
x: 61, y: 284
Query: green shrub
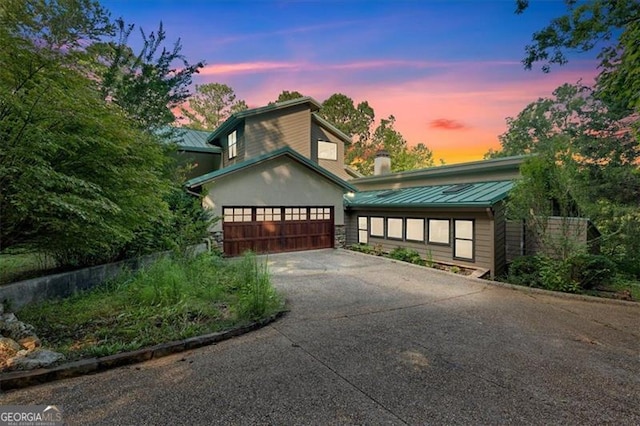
x: 362, y: 248
x: 591, y: 271
x: 556, y: 275
x: 525, y: 270
x: 406, y: 255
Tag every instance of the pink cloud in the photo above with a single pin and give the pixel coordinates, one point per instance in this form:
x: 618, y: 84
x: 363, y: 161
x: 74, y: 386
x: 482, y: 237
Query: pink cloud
x: 249, y: 67
x: 479, y: 95
x: 447, y: 124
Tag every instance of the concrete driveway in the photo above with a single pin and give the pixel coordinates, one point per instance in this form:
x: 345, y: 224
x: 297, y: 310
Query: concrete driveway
x: 369, y: 341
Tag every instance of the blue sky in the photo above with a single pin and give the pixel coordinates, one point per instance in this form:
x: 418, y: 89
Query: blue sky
x: 449, y: 71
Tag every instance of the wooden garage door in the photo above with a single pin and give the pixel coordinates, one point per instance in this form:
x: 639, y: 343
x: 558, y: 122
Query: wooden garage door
x: 277, y: 229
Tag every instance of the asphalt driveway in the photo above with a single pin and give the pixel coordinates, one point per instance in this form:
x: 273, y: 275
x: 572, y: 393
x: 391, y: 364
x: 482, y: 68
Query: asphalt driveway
x: 369, y: 341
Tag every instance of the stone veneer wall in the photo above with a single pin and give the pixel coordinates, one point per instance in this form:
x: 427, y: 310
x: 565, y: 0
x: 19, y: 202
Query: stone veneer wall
x: 340, y: 236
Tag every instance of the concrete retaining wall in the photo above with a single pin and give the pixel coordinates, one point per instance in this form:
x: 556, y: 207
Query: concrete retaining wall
x: 65, y: 284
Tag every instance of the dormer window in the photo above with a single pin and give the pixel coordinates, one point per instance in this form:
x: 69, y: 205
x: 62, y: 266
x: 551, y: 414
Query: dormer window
x: 232, y: 144
x: 327, y: 150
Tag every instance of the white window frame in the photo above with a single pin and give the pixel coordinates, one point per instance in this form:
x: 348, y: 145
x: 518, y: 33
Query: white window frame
x: 232, y: 144
x: 464, y: 237
x: 376, y: 227
x: 395, y: 228
x: 363, y: 229
x: 435, y: 234
x: 237, y: 214
x: 415, y: 229
x: 327, y: 150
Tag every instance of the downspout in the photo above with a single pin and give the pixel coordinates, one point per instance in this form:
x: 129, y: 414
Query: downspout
x: 492, y: 225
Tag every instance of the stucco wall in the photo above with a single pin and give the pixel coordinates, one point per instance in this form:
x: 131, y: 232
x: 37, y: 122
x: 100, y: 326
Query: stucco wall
x: 281, y: 181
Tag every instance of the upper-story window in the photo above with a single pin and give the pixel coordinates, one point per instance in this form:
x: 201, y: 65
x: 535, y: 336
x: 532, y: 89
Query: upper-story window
x: 232, y: 144
x: 327, y: 150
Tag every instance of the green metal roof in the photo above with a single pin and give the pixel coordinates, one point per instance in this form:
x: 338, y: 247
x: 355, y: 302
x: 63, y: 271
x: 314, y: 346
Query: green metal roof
x: 194, y: 140
x: 480, y: 194
x: 237, y: 117
x: 286, y: 151
x: 462, y: 169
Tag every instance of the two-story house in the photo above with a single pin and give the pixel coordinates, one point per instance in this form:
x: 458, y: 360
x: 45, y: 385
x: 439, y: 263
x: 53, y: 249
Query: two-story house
x: 276, y: 176
x: 281, y: 182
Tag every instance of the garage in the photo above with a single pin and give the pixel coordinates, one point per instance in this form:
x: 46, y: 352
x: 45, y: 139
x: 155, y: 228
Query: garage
x: 277, y: 229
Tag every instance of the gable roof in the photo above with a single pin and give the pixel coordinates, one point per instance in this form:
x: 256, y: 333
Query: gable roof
x: 237, y: 117
x: 286, y: 151
x: 462, y: 169
x: 480, y: 194
x: 333, y: 129
x: 193, y: 140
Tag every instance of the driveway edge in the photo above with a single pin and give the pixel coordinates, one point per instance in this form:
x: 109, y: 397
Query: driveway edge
x: 535, y: 290
x: 22, y: 379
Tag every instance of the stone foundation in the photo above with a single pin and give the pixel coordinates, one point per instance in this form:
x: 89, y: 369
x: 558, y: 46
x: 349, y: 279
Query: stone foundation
x: 340, y: 234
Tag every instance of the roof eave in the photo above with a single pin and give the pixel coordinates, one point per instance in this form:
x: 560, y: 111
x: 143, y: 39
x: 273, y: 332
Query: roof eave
x: 471, y: 168
x: 332, y: 128
x: 201, y: 180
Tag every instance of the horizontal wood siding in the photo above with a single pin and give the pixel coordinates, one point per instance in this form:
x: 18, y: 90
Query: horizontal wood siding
x: 514, y: 240
x: 558, y: 228
x: 286, y: 127
x: 499, y: 242
x: 240, y: 148
x: 201, y: 162
x: 335, y: 167
x: 483, y: 235
x: 351, y: 228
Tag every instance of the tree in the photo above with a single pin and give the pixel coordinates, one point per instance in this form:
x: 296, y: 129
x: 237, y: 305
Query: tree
x: 147, y: 85
x: 356, y: 121
x: 386, y: 137
x: 584, y: 154
x: 211, y: 105
x: 603, y: 146
x: 286, y: 95
x: 353, y: 120
x: 588, y: 25
x: 80, y: 179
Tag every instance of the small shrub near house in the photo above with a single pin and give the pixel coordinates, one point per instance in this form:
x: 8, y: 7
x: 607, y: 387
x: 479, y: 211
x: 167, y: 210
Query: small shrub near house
x: 574, y: 274
x: 406, y: 255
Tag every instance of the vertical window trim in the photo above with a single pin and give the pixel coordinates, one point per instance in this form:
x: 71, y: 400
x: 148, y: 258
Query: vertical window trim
x: 371, y: 234
x: 365, y: 230
x: 333, y: 150
x: 232, y: 147
x: 395, y: 238
x: 437, y: 243
x: 406, y: 230
x: 472, y: 239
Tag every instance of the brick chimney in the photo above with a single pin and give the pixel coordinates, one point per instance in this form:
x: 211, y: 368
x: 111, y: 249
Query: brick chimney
x: 382, y: 163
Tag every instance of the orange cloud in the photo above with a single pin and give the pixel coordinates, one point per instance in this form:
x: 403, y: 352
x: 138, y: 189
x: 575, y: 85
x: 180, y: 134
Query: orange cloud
x: 447, y: 124
x: 479, y: 95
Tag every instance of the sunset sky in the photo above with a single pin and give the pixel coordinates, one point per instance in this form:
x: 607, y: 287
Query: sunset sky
x: 449, y: 71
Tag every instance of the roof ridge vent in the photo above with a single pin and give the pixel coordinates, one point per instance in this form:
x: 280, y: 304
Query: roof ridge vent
x: 454, y: 189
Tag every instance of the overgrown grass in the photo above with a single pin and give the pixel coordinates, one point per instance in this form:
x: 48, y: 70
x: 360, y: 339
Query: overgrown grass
x: 169, y: 300
x: 18, y: 265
